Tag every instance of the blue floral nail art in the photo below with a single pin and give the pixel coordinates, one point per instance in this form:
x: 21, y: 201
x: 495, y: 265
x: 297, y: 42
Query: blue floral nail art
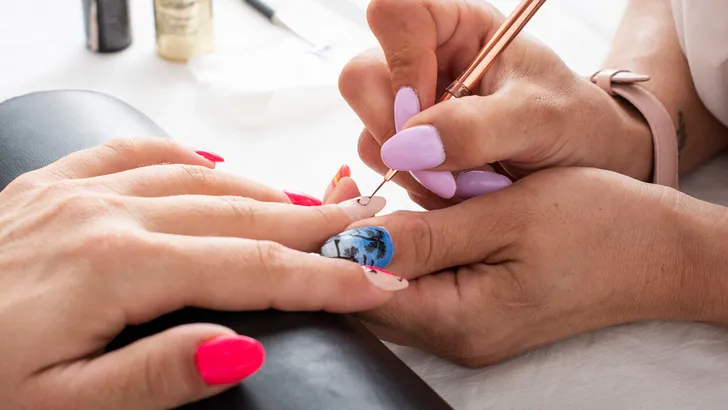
x: 370, y: 246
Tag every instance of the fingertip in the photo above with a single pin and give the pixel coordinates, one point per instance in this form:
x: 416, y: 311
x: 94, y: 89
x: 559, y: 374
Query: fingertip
x: 228, y: 359
x: 344, y: 190
x: 301, y: 199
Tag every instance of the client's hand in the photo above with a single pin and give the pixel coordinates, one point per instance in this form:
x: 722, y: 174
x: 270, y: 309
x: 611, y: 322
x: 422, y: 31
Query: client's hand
x: 559, y: 253
x: 95, y: 242
x: 530, y: 111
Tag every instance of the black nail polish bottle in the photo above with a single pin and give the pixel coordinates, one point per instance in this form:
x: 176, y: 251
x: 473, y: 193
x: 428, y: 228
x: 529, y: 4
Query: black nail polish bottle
x: 107, y: 25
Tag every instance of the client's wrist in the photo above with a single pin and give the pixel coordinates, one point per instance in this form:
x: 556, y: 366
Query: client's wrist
x: 693, y: 283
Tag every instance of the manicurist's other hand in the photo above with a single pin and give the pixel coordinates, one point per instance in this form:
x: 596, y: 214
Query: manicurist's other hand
x: 94, y: 242
x: 530, y: 112
x: 561, y: 252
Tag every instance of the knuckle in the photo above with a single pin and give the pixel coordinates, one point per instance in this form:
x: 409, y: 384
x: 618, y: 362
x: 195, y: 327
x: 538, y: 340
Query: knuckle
x: 25, y: 182
x: 354, y: 75
x: 465, y: 137
x: 242, y: 208
x: 195, y: 176
x: 418, y: 227
x: 270, y: 257
x: 123, y: 147
x: 379, y: 10
x: 101, y: 246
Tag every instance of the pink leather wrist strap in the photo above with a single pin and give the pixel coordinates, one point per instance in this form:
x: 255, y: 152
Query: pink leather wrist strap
x: 664, y: 136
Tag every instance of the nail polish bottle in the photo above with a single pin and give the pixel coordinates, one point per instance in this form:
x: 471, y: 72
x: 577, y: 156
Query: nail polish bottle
x: 107, y: 25
x: 183, y: 28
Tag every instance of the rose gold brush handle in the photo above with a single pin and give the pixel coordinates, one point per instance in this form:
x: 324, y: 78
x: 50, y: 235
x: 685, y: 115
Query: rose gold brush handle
x: 470, y: 78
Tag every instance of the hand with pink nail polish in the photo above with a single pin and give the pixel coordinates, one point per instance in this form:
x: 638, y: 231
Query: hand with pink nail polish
x: 530, y: 112
x: 95, y: 242
x: 560, y: 253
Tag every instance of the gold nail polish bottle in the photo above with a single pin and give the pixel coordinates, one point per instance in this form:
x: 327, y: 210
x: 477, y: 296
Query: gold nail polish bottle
x: 184, y: 28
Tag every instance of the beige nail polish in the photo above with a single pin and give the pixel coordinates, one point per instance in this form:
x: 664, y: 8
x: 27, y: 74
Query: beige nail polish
x: 363, y: 207
x: 385, y: 280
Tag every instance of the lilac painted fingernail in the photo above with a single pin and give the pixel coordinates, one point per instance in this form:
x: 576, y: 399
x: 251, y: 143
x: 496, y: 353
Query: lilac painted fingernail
x: 414, y: 149
x: 476, y: 183
x: 440, y: 183
x: 406, y: 106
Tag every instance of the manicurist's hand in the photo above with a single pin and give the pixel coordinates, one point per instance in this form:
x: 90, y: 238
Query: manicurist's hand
x: 94, y: 242
x: 559, y: 253
x: 530, y: 112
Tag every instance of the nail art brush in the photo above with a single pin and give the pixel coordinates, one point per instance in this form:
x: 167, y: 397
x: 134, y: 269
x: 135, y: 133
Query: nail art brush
x: 470, y: 78
x: 267, y: 11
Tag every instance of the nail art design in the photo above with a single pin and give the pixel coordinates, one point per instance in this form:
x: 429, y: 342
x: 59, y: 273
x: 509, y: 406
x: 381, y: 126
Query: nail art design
x: 343, y: 172
x: 301, y: 199
x: 363, y: 207
x: 210, y: 156
x: 369, y: 246
x: 385, y: 280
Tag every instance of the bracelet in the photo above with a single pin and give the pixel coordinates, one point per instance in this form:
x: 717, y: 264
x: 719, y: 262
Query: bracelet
x: 623, y: 83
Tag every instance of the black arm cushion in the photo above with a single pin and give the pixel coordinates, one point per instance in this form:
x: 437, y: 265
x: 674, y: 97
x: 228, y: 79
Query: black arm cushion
x: 314, y: 361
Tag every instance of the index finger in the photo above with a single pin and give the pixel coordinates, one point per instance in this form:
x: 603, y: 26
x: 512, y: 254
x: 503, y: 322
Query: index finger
x: 123, y: 154
x: 235, y: 274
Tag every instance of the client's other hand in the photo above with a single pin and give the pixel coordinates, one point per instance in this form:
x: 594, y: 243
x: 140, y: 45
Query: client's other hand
x: 95, y: 242
x: 559, y: 253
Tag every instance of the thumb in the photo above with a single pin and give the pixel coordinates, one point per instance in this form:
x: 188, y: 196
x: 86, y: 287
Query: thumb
x: 414, y: 244
x: 421, y: 38
x: 175, y: 367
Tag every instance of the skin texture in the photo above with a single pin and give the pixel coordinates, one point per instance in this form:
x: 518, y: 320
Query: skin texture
x: 561, y: 252
x: 531, y: 111
x: 95, y: 242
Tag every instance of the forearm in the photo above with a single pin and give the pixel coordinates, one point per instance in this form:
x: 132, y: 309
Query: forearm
x: 647, y: 43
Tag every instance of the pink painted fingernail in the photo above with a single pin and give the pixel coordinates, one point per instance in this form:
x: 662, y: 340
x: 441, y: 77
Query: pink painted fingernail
x: 414, y: 149
x: 476, y: 183
x: 228, y: 359
x: 385, y: 280
x: 406, y: 106
x: 301, y: 199
x: 440, y: 183
x: 210, y: 156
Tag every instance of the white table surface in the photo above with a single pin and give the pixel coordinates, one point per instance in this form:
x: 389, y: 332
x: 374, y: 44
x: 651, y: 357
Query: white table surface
x: 296, y: 137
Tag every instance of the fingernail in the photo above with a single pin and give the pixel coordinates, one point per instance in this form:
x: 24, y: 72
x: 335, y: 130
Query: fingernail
x: 385, y: 280
x: 301, y: 199
x: 210, y: 156
x: 369, y: 246
x: 363, y: 207
x: 228, y: 359
x: 414, y: 149
x: 440, y: 183
x: 343, y: 172
x: 406, y: 106
x: 476, y: 183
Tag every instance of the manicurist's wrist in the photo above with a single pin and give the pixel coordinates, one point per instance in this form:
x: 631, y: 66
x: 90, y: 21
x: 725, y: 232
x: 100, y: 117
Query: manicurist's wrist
x: 623, y: 141
x: 635, y: 153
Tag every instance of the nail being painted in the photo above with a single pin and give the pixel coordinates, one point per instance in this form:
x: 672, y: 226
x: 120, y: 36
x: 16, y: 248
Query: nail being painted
x: 364, y: 201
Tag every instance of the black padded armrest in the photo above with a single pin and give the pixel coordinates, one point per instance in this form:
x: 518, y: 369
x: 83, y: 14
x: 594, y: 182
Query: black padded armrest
x: 313, y: 360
